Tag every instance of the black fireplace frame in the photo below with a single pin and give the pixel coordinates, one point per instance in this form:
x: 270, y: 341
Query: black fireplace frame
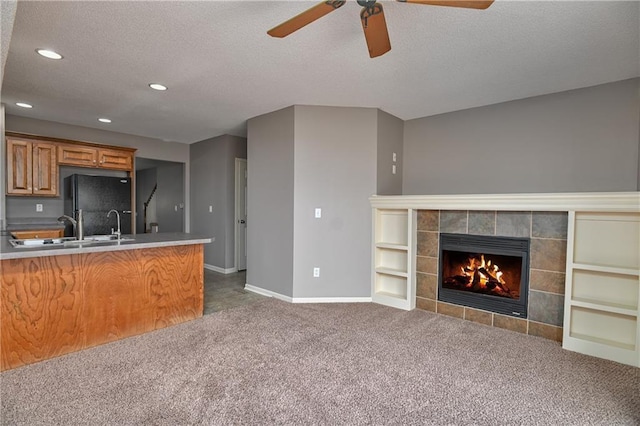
x: 488, y: 244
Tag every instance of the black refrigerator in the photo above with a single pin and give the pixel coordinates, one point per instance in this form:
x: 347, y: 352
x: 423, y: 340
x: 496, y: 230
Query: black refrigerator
x: 95, y: 196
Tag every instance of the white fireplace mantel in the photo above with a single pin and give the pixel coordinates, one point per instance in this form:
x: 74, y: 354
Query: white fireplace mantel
x: 574, y: 201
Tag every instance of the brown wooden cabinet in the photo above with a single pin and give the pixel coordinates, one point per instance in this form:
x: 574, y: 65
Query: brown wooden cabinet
x: 32, y: 167
x: 32, y: 161
x: 88, y: 156
x: 77, y: 155
x: 115, y: 159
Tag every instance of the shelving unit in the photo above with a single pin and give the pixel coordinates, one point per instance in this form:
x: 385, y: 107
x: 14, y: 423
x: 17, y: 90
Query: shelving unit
x: 602, y: 316
x: 393, y: 282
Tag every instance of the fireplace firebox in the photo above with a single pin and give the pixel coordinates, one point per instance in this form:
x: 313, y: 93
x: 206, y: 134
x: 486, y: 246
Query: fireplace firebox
x: 485, y: 272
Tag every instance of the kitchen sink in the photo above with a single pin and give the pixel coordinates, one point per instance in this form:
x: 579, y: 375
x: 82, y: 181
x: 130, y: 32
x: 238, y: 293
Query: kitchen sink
x: 67, y: 241
x: 93, y: 239
x: 35, y: 242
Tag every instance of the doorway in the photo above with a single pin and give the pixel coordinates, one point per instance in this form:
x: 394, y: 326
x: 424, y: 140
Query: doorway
x: 241, y: 214
x: 160, y: 192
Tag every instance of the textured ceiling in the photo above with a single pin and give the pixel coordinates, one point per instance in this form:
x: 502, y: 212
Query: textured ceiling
x: 222, y: 68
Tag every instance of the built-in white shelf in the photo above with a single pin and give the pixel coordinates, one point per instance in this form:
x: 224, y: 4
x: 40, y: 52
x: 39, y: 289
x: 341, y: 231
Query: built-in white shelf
x: 598, y: 305
x: 396, y: 272
x: 603, y: 343
x: 392, y: 246
x: 606, y: 269
x: 393, y: 257
x: 602, y: 289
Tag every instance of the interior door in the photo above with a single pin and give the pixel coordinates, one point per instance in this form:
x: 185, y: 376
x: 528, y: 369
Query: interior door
x: 241, y: 214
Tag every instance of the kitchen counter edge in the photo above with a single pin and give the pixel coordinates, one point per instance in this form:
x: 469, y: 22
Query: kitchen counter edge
x: 141, y: 241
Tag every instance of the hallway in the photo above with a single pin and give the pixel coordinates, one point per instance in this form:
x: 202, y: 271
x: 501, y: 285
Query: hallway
x: 226, y: 291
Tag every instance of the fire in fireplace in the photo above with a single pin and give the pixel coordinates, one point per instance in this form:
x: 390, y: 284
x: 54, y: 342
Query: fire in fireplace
x: 485, y: 272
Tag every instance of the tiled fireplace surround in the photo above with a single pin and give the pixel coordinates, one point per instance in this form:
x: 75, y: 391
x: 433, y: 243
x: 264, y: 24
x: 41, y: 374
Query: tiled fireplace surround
x: 548, y: 234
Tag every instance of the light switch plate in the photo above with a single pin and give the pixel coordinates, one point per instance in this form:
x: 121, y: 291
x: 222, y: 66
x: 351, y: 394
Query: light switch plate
x: 318, y: 213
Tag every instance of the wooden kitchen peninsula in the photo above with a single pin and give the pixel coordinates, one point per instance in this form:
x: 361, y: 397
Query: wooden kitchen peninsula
x: 61, y: 299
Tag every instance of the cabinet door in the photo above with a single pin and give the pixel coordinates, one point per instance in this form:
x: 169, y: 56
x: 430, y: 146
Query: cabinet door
x: 19, y: 167
x: 77, y: 155
x: 114, y: 159
x: 45, y: 169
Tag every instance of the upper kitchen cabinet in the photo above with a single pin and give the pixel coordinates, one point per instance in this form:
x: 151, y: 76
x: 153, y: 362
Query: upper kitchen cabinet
x: 91, y: 156
x: 32, y: 161
x: 32, y: 167
x: 115, y: 159
x: 77, y: 155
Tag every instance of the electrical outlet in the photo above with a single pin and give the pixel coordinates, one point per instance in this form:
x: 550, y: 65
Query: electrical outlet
x: 393, y: 169
x: 38, y: 207
x: 316, y: 272
x: 210, y: 209
x: 318, y: 213
x: 394, y: 157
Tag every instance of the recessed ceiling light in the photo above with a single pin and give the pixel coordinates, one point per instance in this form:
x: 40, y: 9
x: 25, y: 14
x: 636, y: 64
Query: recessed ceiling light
x: 24, y: 105
x: 49, y: 54
x: 157, y: 86
x: 104, y: 120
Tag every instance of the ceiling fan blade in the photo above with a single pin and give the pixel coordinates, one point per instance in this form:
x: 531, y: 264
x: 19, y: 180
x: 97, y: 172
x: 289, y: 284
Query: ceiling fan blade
x: 375, y: 30
x: 305, y: 18
x: 470, y: 4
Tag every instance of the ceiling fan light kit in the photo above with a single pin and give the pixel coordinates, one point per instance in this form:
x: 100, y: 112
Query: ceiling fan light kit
x: 374, y: 24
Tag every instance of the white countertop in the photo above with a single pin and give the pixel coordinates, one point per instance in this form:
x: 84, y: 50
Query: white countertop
x: 141, y: 241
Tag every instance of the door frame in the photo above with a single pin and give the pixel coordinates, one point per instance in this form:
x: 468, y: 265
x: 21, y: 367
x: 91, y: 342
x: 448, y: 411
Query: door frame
x: 239, y: 193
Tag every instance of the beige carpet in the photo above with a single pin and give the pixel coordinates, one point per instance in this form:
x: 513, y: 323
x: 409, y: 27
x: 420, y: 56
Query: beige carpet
x: 279, y: 363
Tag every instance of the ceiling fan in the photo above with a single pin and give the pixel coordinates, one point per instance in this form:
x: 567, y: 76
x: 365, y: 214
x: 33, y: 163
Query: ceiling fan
x: 372, y: 17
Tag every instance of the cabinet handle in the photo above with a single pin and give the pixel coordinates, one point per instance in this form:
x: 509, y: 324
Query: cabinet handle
x: 35, y: 189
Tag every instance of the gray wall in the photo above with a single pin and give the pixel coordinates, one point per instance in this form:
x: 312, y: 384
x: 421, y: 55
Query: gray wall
x: 575, y: 141
x: 335, y: 169
x: 170, y: 204
x: 390, y: 140
x: 146, y: 147
x: 270, y: 208
x: 212, y: 174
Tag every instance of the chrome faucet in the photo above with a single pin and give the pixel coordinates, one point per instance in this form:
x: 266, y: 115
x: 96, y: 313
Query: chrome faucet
x: 78, y: 225
x: 117, y: 233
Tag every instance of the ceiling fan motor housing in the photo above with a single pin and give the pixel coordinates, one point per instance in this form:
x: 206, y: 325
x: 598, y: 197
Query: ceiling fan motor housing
x: 367, y: 3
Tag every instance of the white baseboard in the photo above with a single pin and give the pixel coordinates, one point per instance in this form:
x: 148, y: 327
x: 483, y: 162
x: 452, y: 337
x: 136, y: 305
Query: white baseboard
x: 219, y: 269
x: 331, y: 299
x: 268, y: 293
x: 279, y: 296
